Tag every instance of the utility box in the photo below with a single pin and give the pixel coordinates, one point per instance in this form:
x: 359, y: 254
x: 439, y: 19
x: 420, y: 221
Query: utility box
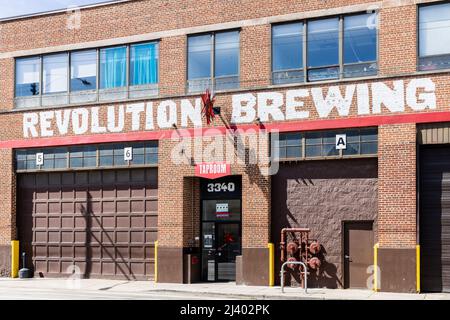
x: 191, y: 268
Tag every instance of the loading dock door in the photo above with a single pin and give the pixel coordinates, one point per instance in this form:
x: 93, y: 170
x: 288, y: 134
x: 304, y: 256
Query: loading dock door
x: 102, y: 222
x: 435, y: 218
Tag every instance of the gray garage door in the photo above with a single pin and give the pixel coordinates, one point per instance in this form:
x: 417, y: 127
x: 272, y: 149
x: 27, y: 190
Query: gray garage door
x: 435, y: 218
x: 103, y: 222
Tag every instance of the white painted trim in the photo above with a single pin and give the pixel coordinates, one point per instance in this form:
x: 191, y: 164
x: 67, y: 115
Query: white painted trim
x: 199, y: 29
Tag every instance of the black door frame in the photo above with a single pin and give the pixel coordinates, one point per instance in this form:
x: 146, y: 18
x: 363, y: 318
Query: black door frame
x: 238, y: 222
x: 216, y: 229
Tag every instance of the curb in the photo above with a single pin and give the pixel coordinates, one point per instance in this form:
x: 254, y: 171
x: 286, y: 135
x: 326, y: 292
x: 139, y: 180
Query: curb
x: 237, y: 295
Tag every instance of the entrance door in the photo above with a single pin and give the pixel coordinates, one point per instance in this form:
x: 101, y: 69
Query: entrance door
x: 228, y: 247
x: 221, y: 228
x: 358, y: 253
x: 221, y: 245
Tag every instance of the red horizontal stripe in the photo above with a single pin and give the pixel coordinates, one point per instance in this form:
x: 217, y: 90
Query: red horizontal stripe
x: 429, y: 117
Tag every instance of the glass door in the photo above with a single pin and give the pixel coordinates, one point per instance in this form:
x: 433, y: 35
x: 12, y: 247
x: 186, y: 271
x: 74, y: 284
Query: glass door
x: 221, y: 239
x: 228, y: 248
x: 221, y: 216
x: 209, y: 252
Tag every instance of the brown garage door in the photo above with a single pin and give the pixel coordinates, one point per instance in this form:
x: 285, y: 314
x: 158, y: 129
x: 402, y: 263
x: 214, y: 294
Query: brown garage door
x: 103, y: 222
x: 435, y: 218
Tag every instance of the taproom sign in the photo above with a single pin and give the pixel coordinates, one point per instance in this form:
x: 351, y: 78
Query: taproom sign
x: 213, y: 170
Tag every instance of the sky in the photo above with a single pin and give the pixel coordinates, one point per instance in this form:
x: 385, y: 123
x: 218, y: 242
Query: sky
x: 11, y: 8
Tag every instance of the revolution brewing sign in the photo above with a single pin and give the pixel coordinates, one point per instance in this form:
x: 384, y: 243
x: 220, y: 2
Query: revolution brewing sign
x: 363, y: 99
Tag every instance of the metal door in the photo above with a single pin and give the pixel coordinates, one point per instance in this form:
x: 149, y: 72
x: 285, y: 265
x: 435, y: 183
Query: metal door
x: 358, y: 253
x: 434, y: 218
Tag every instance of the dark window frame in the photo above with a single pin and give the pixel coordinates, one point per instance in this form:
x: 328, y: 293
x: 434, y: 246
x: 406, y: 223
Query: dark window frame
x: 212, y: 79
x: 25, y: 159
x: 69, y: 53
x: 322, y: 135
x: 341, y: 37
x: 420, y: 58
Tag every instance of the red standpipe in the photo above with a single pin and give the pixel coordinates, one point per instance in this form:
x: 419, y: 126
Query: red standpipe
x: 283, y: 239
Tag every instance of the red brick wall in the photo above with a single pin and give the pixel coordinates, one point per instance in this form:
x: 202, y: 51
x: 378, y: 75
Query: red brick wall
x: 397, y: 186
x: 178, y: 199
x: 398, y: 39
x: 397, y: 56
x: 7, y: 198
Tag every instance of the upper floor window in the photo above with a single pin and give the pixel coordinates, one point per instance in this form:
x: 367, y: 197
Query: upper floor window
x: 55, y: 73
x: 434, y: 39
x: 92, y: 75
x: 144, y: 64
x: 113, y: 68
x: 213, y: 61
x: 28, y: 77
x: 287, y: 53
x: 360, y: 45
x: 83, y: 70
x: 323, y: 49
x: 340, y: 47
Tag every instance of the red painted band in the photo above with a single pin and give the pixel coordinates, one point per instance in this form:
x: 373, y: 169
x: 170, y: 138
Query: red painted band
x: 281, y: 127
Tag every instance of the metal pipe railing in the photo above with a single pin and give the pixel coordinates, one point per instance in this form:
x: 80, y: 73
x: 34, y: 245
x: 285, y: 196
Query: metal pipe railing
x: 305, y: 272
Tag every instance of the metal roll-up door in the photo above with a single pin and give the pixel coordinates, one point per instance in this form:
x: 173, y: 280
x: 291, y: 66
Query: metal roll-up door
x: 435, y: 218
x: 102, y: 222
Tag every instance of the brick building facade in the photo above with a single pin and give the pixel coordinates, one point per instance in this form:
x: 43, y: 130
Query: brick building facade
x: 391, y: 110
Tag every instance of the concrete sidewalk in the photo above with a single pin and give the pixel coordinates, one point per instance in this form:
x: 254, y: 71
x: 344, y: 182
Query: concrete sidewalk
x: 106, y: 289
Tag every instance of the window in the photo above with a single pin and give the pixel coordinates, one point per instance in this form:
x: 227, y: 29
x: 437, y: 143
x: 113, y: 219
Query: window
x: 287, y: 53
x: 83, y: 70
x: 213, y: 60
x: 113, y: 68
x: 226, y: 60
x: 323, y: 49
x: 144, y: 64
x: 322, y: 144
x: 360, y: 45
x: 434, y: 40
x: 75, y: 77
x: 83, y: 157
x: 55, y: 73
x: 331, y: 52
x: 290, y: 146
x: 92, y: 156
x: 56, y: 160
x: 27, y: 76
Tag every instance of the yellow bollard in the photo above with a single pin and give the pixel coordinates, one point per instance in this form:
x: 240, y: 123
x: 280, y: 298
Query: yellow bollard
x: 418, y: 268
x: 375, y: 267
x: 271, y: 247
x: 15, y: 259
x: 156, y: 261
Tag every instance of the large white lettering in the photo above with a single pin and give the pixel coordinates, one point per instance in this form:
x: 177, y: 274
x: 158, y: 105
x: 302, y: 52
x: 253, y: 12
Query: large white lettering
x: 393, y: 99
x: 30, y: 121
x: 333, y: 100
x: 243, y: 108
x: 167, y: 114
x: 423, y: 100
x: 192, y: 113
x: 336, y: 101
x: 80, y: 121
